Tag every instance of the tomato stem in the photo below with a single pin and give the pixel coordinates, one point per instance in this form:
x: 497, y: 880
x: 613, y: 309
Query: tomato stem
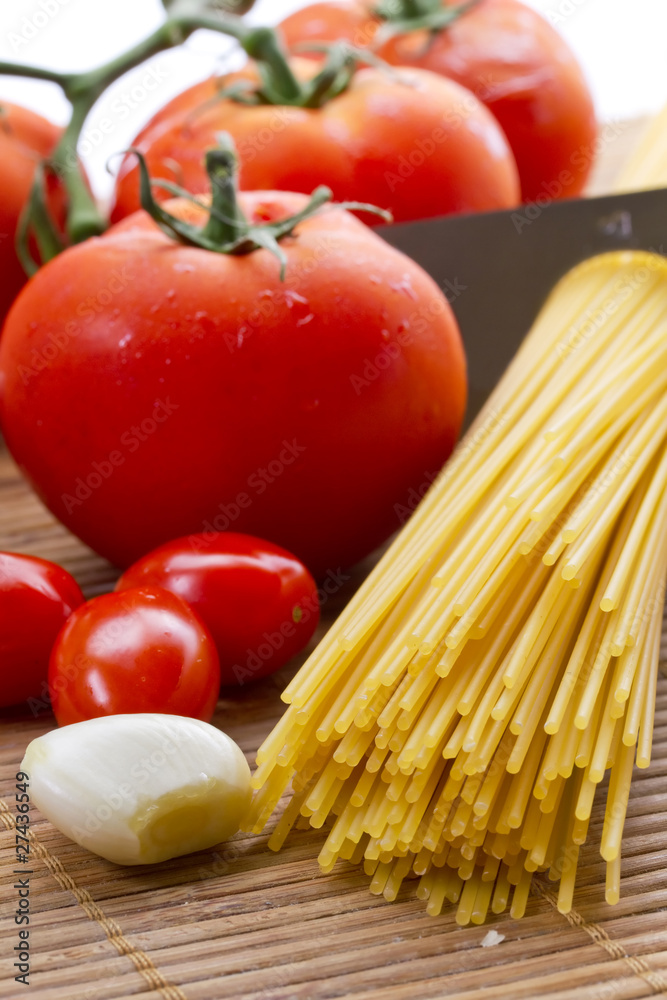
x: 226, y: 223
x: 403, y: 16
x: 279, y: 85
x: 33, y: 73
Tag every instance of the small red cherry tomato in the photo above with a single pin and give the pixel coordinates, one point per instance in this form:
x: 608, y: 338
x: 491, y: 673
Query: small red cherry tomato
x: 258, y: 601
x: 36, y: 599
x: 142, y: 650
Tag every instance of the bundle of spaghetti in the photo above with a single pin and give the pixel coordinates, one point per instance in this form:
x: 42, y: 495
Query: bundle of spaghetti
x: 647, y: 167
x: 458, y: 718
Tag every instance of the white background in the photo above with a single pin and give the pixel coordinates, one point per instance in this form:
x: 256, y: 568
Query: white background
x: 622, y: 46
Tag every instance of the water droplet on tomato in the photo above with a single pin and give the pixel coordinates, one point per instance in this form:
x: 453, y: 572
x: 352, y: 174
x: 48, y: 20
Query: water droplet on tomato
x: 292, y: 297
x: 404, y: 286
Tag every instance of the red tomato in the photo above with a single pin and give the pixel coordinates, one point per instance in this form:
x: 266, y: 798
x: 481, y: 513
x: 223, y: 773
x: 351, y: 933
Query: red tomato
x: 257, y: 600
x: 348, y: 20
x: 511, y: 58
x: 189, y: 390
x: 36, y: 599
x: 417, y: 145
x: 142, y: 650
x: 25, y: 138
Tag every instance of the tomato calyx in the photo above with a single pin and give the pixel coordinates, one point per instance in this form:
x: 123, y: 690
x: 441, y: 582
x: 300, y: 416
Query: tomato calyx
x: 279, y: 85
x: 400, y: 17
x: 228, y: 230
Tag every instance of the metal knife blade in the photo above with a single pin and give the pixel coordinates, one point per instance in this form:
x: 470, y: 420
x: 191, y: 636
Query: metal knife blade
x: 497, y: 268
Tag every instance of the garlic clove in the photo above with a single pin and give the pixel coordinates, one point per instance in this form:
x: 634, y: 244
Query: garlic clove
x: 139, y: 789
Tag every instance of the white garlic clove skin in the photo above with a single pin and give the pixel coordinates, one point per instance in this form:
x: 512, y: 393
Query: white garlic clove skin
x: 139, y: 789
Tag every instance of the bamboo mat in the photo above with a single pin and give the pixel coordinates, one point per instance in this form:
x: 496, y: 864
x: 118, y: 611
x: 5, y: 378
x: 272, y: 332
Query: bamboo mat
x: 242, y: 922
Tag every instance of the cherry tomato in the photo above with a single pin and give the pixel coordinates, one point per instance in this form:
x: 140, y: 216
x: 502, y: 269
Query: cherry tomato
x: 203, y: 393
x: 36, y: 599
x: 25, y: 139
x: 258, y: 601
x: 512, y: 59
x: 142, y: 650
x: 415, y: 144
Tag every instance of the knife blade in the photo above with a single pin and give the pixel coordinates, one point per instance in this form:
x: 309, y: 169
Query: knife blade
x: 497, y: 268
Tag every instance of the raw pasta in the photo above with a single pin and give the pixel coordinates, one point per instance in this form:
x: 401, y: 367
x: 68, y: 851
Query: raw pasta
x: 456, y: 721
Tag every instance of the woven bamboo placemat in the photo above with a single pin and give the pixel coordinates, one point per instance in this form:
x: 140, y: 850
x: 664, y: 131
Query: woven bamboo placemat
x: 242, y: 922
